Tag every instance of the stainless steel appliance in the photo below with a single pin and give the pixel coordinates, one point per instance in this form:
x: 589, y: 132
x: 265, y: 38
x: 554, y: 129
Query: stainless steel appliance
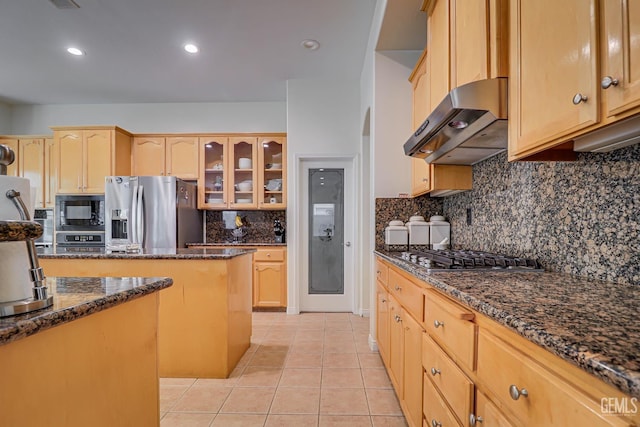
x: 45, y: 218
x: 468, y: 126
x: 151, y: 212
x: 79, y: 220
x: 468, y: 260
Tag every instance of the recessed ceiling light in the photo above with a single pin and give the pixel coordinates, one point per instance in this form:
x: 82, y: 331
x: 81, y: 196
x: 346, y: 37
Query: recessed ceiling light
x: 75, y: 51
x: 310, y: 44
x: 191, y: 48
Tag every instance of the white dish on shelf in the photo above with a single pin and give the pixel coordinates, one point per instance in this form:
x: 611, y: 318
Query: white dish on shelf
x: 243, y: 200
x: 244, y: 163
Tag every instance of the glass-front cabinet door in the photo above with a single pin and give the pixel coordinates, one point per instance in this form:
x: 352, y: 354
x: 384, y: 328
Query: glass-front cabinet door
x: 214, y: 173
x: 272, y: 153
x: 243, y: 162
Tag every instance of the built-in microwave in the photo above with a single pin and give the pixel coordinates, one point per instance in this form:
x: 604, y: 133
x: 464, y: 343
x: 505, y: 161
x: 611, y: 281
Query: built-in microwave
x: 79, y: 213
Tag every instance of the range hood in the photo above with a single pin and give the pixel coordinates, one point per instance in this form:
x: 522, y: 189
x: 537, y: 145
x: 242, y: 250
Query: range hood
x: 468, y: 126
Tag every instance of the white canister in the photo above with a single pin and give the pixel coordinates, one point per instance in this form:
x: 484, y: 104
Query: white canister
x: 396, y: 233
x: 14, y: 258
x: 439, y: 229
x: 418, y: 230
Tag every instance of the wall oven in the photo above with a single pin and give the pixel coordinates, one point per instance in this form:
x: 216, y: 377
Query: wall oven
x: 79, y: 220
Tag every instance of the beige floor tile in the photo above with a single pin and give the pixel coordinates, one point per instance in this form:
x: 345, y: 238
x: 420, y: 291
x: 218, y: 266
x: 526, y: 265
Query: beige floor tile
x: 186, y: 419
x: 335, y: 401
x: 169, y: 395
x: 272, y: 348
x: 308, y: 347
x: 340, y: 360
x: 376, y: 378
x: 383, y: 402
x: 202, y: 399
x: 311, y: 326
x: 339, y: 347
x: 300, y: 377
x: 273, y: 359
x: 363, y: 347
x: 304, y: 360
x: 239, y: 420
x: 253, y: 400
x: 370, y: 360
x: 342, y: 377
x: 342, y: 336
x: 232, y: 381
x: 344, y: 421
x: 296, y: 400
x: 186, y: 382
x: 309, y: 317
x: 244, y: 360
x: 291, y: 420
x: 259, y: 376
x: 306, y: 335
x: 381, y: 421
x: 337, y: 316
x: 330, y: 325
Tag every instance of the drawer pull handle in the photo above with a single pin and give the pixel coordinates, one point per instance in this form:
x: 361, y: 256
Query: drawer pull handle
x: 398, y: 288
x: 435, y: 423
x: 473, y: 419
x: 435, y: 371
x: 383, y: 300
x: 515, y: 393
x: 268, y: 255
x: 438, y: 323
x: 608, y: 81
x: 397, y: 318
x: 578, y: 98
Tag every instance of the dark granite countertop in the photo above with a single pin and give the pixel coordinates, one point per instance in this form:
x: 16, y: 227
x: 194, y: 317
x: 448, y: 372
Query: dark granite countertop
x: 76, y: 297
x: 168, y: 253
x: 590, y: 323
x: 14, y: 231
x: 232, y: 244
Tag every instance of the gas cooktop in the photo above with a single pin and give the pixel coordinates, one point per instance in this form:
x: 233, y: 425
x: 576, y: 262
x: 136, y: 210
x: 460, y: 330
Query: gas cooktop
x: 468, y: 260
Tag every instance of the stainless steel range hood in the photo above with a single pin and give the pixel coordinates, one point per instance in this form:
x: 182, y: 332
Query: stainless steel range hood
x: 468, y: 126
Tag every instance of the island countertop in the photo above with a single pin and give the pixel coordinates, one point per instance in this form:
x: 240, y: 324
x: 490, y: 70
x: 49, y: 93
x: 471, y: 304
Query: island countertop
x: 77, y: 297
x: 590, y: 323
x: 160, y: 253
x: 238, y: 244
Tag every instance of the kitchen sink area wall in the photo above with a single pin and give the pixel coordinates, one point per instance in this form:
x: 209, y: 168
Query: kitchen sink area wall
x: 388, y: 209
x: 579, y: 217
x: 258, y: 225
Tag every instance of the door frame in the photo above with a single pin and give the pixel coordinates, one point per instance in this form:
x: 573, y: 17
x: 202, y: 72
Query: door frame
x: 297, y: 247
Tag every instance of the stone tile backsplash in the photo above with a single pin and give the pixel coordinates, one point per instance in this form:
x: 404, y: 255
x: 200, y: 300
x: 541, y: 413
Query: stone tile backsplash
x: 389, y: 209
x: 259, y: 226
x: 580, y: 217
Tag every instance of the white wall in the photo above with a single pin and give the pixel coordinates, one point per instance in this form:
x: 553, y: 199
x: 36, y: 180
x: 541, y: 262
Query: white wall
x: 154, y: 118
x: 322, y: 120
x: 392, y: 123
x: 5, y: 119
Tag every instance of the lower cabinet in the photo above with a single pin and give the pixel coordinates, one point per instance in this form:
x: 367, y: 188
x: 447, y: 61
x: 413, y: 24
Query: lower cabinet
x: 270, y: 278
x: 452, y: 366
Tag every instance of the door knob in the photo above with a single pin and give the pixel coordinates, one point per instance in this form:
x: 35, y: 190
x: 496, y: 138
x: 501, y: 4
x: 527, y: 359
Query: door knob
x: 347, y: 244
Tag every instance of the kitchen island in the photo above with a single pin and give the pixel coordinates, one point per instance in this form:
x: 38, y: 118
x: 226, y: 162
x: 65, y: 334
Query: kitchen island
x: 204, y: 319
x: 90, y: 359
x: 571, y: 342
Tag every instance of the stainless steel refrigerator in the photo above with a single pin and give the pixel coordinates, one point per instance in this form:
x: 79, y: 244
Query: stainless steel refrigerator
x: 150, y: 212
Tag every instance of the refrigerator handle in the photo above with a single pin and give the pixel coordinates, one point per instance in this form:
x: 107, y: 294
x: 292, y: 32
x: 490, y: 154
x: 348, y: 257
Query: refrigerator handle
x: 140, y: 215
x: 133, y: 215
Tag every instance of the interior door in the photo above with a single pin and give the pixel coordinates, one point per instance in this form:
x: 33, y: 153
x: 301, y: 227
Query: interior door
x: 327, y: 220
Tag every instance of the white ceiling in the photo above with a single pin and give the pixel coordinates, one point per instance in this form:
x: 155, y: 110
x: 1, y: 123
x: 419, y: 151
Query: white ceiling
x: 248, y: 49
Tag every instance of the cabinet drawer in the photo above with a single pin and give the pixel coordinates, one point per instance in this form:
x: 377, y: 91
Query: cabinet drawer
x: 454, y: 385
x: 269, y: 255
x: 450, y: 325
x: 488, y: 413
x: 548, y: 401
x: 436, y: 412
x: 408, y: 294
x: 382, y: 271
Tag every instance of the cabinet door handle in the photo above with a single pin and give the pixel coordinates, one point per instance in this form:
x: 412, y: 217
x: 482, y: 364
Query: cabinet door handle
x: 435, y: 423
x: 398, y: 288
x: 515, y: 393
x: 438, y: 323
x: 578, y: 98
x: 435, y: 371
x: 383, y: 300
x: 397, y: 318
x: 608, y: 81
x: 475, y: 419
x: 268, y: 255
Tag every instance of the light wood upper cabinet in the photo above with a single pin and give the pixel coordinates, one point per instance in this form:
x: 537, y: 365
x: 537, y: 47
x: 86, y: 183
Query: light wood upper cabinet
x: 171, y: 156
x: 553, y: 85
x: 621, y: 69
x: 272, y: 173
x: 31, y: 159
x: 243, y: 165
x: 438, y: 46
x: 148, y: 156
x: 181, y: 157
x: 87, y: 155
x: 213, y: 173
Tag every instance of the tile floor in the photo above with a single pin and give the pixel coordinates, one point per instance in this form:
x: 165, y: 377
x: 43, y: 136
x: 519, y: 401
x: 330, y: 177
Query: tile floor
x: 313, y: 369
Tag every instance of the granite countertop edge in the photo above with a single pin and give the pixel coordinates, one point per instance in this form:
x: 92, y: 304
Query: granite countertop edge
x: 623, y: 379
x: 194, y: 254
x: 231, y: 244
x: 49, y: 318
